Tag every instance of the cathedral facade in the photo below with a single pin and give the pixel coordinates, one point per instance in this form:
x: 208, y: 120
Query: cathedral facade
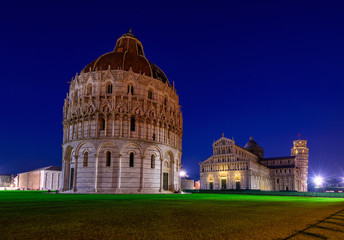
x: 235, y: 167
x: 122, y: 126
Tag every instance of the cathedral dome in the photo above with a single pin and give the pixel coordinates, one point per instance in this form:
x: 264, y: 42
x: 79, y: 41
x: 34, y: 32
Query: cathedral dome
x: 251, y: 144
x: 254, y: 148
x: 128, y: 54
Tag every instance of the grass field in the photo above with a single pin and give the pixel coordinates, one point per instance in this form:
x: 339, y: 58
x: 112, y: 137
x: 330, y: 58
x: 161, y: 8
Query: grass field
x: 38, y: 215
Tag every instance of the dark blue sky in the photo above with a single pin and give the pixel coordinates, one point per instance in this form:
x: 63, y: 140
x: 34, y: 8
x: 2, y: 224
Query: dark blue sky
x: 270, y: 69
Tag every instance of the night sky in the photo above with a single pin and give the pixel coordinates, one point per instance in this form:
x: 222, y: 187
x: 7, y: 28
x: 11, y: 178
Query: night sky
x: 267, y: 69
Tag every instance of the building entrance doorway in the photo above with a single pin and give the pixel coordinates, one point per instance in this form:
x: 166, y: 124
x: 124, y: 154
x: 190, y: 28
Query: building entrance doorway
x: 237, y: 185
x: 211, y: 185
x: 71, y: 181
x: 165, y: 181
x: 223, y: 184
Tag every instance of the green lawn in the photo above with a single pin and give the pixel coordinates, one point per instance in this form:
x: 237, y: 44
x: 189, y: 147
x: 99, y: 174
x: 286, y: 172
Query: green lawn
x: 38, y: 215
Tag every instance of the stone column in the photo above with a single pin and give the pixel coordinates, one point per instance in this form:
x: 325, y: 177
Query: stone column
x: 113, y: 125
x: 106, y: 126
x: 129, y: 119
x: 144, y: 129
x: 142, y: 174
x: 96, y: 173
x: 89, y: 127
x: 157, y: 132
x: 161, y: 179
x: 96, y: 119
x: 120, y: 126
x: 172, y: 165
x: 63, y: 175
x: 83, y: 128
x: 75, y: 172
x: 72, y: 130
x: 119, y: 172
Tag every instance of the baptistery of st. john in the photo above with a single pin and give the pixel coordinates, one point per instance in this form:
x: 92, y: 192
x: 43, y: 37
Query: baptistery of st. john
x: 122, y: 126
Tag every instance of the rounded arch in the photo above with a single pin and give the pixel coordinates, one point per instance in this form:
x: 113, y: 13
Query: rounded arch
x: 154, y: 149
x: 169, y: 155
x: 150, y: 93
x: 77, y: 149
x: 89, y: 89
x: 127, y: 148
x: 109, y: 87
x: 68, y: 153
x: 104, y: 145
x: 131, y: 87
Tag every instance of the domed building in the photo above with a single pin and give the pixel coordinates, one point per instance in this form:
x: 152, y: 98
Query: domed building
x: 122, y: 126
x: 254, y: 148
x: 234, y: 167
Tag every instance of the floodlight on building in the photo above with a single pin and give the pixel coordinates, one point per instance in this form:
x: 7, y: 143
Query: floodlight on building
x: 182, y: 173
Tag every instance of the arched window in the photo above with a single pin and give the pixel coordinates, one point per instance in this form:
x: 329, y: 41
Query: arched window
x: 165, y: 101
x: 132, y: 124
x: 108, y: 159
x: 130, y: 89
x: 152, y: 161
x: 109, y: 88
x: 85, y: 159
x: 89, y: 89
x: 131, y: 160
x: 150, y: 94
x: 102, y: 124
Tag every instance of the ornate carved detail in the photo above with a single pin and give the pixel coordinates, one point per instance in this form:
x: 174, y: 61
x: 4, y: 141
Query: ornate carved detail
x: 83, y: 104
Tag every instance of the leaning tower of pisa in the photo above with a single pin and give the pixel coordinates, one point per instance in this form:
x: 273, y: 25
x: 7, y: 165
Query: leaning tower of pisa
x: 301, y: 153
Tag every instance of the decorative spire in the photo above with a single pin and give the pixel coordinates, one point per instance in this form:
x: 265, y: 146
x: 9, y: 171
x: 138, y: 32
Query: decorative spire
x: 251, y: 138
x: 223, y: 134
x: 130, y: 29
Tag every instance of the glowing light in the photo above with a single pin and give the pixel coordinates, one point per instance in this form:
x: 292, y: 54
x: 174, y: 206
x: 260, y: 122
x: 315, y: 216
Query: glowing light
x: 182, y: 173
x: 318, y: 181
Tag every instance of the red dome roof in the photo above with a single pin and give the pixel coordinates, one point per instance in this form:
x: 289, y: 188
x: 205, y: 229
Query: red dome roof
x: 128, y: 53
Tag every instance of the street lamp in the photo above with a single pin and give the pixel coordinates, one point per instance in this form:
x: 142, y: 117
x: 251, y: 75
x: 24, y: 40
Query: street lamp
x: 318, y: 181
x: 182, y: 173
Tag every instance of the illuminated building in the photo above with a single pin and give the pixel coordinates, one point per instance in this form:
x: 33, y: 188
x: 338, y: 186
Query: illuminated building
x: 46, y: 178
x: 122, y: 125
x: 5, y: 180
x: 234, y: 167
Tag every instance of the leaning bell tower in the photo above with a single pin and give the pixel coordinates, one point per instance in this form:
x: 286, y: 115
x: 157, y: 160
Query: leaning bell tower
x: 301, y: 153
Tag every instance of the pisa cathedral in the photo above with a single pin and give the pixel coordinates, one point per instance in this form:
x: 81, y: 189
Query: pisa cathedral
x: 234, y: 167
x: 122, y: 126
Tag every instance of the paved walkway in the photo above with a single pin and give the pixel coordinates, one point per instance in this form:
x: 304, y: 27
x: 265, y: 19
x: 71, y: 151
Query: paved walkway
x: 331, y: 227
